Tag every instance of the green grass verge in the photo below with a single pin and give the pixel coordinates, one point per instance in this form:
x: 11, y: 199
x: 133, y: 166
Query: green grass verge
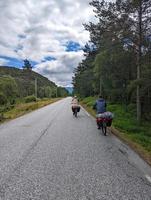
x: 138, y: 136
x: 126, y: 122
x: 23, y: 108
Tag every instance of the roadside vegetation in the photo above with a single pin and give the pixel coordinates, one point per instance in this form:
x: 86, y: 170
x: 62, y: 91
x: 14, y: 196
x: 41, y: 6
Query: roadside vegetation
x: 126, y: 127
x: 117, y: 60
x: 23, y: 106
x: 23, y: 90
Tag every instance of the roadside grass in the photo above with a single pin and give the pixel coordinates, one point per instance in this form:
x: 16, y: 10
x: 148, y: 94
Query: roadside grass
x: 127, y: 123
x: 126, y: 127
x: 21, y: 108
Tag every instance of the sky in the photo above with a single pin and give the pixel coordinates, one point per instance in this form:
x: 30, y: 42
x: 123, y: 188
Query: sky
x: 49, y: 33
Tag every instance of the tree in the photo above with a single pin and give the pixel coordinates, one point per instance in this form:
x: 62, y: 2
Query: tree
x: 48, y: 91
x: 62, y: 92
x: 83, y: 75
x: 3, y: 99
x: 8, y: 88
x: 27, y: 65
x: 143, y: 8
x: 122, y: 42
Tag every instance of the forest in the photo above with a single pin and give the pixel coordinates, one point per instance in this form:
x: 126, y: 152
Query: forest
x: 117, y: 59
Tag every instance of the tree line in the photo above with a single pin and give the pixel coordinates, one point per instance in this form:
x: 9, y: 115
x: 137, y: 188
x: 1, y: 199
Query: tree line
x: 117, y: 59
x: 17, y: 84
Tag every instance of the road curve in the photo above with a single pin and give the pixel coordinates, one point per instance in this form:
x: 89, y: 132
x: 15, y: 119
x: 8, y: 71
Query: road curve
x: 51, y: 155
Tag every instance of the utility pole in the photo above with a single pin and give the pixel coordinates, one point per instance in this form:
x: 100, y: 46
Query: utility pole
x: 36, y: 87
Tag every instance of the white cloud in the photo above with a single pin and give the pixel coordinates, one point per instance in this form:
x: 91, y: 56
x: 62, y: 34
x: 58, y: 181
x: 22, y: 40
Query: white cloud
x: 60, y: 70
x: 36, y: 29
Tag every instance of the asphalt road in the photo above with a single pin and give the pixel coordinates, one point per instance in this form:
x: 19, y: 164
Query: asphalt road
x: 50, y: 155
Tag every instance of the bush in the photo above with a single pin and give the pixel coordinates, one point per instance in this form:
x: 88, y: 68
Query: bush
x: 30, y: 99
x: 8, y: 87
x: 3, y: 99
x: 1, y: 117
x: 89, y: 101
x: 132, y: 109
x: 12, y: 101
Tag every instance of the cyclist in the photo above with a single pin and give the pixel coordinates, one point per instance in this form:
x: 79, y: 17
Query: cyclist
x: 74, y: 104
x: 100, y: 106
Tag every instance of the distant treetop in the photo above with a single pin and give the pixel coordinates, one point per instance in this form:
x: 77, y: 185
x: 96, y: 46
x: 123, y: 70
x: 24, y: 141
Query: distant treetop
x: 27, y: 65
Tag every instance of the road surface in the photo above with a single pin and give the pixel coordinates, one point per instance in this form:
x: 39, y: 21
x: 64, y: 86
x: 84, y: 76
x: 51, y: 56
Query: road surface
x: 51, y: 155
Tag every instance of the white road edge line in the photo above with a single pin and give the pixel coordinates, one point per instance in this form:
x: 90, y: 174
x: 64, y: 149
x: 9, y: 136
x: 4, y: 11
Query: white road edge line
x: 86, y: 112
x: 148, y: 178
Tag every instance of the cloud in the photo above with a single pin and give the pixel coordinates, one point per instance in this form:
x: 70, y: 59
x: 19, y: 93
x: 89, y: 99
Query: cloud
x: 36, y: 29
x: 60, y: 70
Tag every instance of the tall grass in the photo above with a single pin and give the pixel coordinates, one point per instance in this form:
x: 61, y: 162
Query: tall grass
x: 126, y: 122
x: 23, y: 108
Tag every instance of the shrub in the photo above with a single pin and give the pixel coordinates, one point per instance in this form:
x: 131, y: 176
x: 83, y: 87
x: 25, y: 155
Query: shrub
x: 12, y: 101
x: 132, y: 109
x: 1, y: 116
x: 30, y: 99
x: 8, y: 87
x: 3, y: 99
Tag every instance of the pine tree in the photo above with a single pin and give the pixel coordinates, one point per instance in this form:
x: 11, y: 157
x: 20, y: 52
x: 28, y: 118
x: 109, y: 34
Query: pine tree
x: 27, y: 65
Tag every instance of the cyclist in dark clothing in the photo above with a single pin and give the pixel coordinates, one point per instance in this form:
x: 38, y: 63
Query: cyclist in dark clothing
x: 100, y: 105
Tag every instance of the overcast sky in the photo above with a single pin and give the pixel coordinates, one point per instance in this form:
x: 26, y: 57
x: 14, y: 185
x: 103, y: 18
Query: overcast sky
x: 47, y: 32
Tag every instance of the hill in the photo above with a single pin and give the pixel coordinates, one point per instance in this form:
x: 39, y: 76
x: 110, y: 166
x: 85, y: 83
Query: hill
x: 25, y: 81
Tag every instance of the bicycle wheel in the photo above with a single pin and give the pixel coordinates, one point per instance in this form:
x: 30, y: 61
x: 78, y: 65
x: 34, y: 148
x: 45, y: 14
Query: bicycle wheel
x: 75, y: 112
x: 104, y: 128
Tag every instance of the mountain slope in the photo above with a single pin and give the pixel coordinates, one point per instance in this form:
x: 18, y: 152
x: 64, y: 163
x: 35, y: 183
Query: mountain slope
x: 25, y: 80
